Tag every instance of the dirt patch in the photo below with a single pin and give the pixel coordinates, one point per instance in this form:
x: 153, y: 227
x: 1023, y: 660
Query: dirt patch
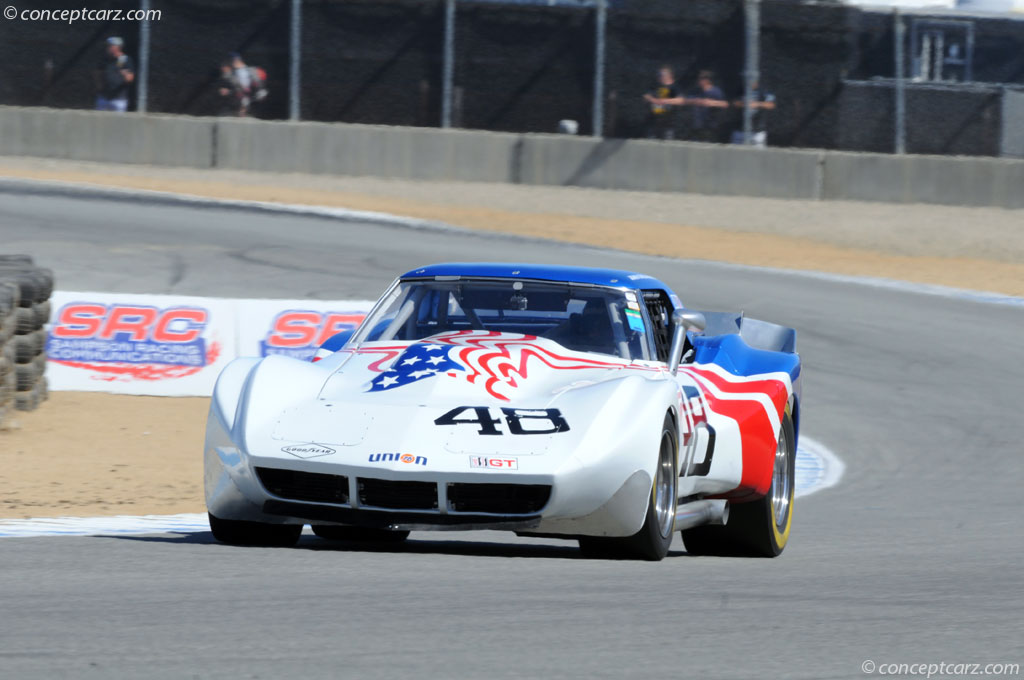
x: 88, y: 454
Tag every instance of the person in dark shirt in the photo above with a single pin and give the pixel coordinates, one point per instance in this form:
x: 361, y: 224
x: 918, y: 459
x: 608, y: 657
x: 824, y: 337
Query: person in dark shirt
x: 229, y: 92
x: 760, y: 102
x: 664, y: 99
x: 114, y: 77
x: 707, y: 102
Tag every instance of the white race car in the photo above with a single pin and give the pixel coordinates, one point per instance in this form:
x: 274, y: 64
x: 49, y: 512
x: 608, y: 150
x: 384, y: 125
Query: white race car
x: 579, y: 403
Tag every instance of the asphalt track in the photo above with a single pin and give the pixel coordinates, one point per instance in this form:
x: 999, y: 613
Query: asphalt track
x: 914, y: 557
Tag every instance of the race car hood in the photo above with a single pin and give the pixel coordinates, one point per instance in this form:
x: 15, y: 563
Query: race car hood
x: 387, y: 391
x: 485, y: 367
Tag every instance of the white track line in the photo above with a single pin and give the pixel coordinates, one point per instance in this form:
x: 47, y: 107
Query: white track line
x: 92, y: 526
x: 817, y: 468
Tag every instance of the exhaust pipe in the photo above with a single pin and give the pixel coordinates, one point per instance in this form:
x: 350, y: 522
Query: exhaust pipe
x: 705, y: 511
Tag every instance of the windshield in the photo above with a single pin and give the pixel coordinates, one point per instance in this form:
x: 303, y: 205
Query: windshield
x: 580, y: 318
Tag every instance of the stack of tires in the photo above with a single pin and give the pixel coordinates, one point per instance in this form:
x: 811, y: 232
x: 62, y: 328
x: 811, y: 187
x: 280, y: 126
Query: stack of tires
x: 25, y: 291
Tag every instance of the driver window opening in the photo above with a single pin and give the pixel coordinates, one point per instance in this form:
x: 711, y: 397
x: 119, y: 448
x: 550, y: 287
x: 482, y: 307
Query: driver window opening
x: 579, y: 318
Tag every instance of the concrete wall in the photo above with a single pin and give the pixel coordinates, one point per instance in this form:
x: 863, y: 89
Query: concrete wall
x: 322, y: 148
x: 427, y: 153
x: 91, y: 136
x: 643, y: 165
x: 967, y: 181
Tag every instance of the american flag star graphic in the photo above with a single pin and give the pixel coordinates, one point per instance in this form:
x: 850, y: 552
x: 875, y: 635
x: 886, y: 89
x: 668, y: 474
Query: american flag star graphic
x: 419, y: 361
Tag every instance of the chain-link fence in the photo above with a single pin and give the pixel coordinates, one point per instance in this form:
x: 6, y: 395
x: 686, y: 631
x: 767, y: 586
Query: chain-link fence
x: 829, y: 69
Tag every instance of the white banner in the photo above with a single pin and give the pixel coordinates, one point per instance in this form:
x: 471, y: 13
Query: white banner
x: 172, y: 345
x: 293, y: 327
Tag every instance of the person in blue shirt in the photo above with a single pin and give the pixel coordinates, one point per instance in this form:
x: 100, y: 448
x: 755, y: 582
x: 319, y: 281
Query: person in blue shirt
x: 708, y: 102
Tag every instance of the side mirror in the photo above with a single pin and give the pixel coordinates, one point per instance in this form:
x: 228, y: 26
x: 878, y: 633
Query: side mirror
x: 682, y: 320
x: 337, y: 341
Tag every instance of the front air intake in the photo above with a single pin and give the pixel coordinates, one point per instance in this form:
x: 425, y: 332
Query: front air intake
x: 304, y: 486
x: 499, y: 499
x: 383, y: 493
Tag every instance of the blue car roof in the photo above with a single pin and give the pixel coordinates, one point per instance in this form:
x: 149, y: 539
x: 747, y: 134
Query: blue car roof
x: 543, y: 272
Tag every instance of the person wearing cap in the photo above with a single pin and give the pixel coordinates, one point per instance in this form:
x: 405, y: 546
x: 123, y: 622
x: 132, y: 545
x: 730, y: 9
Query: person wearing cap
x: 251, y: 80
x: 114, y: 77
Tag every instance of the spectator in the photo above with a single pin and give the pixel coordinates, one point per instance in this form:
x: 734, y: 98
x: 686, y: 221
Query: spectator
x: 663, y: 100
x: 706, y: 99
x: 113, y: 77
x: 253, y: 83
x: 229, y: 92
x: 760, y: 103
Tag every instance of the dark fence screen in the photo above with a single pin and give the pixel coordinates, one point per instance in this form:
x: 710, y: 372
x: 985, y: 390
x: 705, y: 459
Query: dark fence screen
x: 523, y: 67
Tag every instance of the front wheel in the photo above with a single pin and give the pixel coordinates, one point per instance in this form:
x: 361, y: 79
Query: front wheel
x: 655, y: 536
x: 759, y: 528
x: 237, y: 532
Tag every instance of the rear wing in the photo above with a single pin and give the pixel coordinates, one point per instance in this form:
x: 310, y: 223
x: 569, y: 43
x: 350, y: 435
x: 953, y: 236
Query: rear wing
x: 757, y: 334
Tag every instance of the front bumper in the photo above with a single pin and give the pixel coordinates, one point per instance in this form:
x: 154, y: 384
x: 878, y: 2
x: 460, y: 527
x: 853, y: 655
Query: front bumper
x: 240, y: 487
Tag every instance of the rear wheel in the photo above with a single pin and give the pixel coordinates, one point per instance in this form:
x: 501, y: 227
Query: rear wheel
x: 335, y: 532
x: 655, y: 536
x: 760, y: 528
x: 236, y: 532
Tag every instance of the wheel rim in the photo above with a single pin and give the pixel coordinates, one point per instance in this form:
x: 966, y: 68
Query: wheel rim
x: 665, y: 486
x: 781, y: 481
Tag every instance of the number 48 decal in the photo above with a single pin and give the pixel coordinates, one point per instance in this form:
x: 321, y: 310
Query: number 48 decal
x: 519, y: 420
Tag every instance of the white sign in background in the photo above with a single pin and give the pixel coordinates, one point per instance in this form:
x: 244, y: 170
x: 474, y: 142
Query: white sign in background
x: 173, y: 345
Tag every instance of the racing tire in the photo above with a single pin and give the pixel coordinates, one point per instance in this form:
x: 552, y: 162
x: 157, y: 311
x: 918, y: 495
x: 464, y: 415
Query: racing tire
x: 36, y: 283
x: 9, y: 352
x: 759, y: 528
x: 26, y: 401
x: 47, y: 282
x: 655, y: 536
x: 30, y: 286
x: 26, y: 376
x: 334, y: 532
x: 43, y: 311
x: 255, y: 534
x: 27, y: 347
x: 25, y: 320
x: 10, y: 297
